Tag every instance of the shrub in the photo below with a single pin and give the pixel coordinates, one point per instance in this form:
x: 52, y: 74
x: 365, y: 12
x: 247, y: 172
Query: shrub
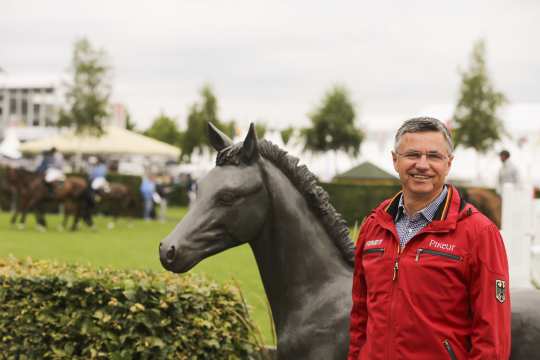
x: 354, y: 202
x: 57, y: 311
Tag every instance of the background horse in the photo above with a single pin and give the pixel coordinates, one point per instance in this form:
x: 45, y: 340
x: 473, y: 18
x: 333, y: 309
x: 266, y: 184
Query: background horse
x: 118, y: 200
x: 486, y: 201
x: 257, y: 194
x: 19, y: 181
x: 33, y: 194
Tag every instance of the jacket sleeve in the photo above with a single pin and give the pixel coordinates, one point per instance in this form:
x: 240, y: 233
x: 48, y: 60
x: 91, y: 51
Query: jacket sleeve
x: 490, y: 297
x: 358, y: 321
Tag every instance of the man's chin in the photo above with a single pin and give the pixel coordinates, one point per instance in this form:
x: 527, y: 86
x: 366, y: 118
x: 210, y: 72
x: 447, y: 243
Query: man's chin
x: 421, y: 190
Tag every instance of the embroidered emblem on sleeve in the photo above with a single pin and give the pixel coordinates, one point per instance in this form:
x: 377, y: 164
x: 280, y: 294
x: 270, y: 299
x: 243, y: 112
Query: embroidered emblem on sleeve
x: 500, y: 290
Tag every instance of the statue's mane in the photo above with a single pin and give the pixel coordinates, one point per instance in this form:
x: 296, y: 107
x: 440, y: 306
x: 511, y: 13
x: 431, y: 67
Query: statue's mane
x: 306, y: 183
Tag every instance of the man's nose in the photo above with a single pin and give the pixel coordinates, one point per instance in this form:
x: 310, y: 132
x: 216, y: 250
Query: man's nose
x: 422, y: 162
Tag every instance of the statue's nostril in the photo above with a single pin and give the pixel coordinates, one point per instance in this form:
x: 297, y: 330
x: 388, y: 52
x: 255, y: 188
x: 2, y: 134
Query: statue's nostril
x: 170, y: 254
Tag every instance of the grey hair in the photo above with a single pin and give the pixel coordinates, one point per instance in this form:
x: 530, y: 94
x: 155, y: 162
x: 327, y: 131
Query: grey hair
x: 424, y: 124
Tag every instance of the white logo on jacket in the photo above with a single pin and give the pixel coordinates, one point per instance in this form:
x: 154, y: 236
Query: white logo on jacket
x: 374, y: 242
x: 443, y: 246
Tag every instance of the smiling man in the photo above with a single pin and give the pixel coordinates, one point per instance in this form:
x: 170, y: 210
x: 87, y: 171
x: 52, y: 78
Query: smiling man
x: 431, y: 272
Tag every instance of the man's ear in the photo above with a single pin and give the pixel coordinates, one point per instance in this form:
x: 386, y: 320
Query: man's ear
x: 394, y: 160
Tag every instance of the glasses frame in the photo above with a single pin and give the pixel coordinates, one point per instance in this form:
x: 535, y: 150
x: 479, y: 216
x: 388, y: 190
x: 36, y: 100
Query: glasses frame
x: 436, y: 160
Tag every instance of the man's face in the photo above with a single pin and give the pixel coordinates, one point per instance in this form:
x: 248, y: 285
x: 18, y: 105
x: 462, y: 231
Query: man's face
x: 422, y: 162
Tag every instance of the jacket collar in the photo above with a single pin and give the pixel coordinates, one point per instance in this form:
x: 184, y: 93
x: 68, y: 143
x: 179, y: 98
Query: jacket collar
x: 445, y: 218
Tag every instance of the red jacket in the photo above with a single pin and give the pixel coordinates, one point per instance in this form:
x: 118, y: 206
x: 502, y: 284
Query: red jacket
x: 444, y: 296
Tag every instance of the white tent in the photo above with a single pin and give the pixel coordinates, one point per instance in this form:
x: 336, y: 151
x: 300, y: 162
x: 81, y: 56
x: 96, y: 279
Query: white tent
x: 115, y: 140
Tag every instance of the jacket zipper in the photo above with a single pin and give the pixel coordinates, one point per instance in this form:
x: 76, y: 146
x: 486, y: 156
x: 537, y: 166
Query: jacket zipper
x: 392, y: 301
x: 449, y: 349
x: 437, y: 253
x: 373, y: 250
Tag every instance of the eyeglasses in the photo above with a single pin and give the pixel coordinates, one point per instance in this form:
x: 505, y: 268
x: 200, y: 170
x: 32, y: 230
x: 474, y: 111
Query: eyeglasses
x: 431, y: 156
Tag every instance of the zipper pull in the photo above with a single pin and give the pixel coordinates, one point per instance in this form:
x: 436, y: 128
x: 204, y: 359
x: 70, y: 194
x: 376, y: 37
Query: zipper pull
x: 396, y: 268
x: 418, y: 252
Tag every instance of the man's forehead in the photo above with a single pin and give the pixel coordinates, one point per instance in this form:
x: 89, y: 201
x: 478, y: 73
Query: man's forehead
x: 430, y: 139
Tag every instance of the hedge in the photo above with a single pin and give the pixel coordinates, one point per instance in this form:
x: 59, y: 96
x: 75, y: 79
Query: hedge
x: 57, y: 311
x: 354, y: 202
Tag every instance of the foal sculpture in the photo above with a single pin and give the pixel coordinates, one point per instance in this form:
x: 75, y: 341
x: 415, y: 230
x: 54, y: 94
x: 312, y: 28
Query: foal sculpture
x: 257, y: 194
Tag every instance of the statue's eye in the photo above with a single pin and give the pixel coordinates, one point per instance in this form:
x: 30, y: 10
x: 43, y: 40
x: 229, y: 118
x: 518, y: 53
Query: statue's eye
x: 226, y: 198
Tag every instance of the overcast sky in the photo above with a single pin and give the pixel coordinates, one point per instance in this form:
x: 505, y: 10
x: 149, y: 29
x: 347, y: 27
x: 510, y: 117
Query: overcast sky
x: 274, y: 60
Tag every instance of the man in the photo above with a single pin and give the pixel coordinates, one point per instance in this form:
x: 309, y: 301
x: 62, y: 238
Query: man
x: 431, y: 273
x: 98, y: 174
x: 508, y: 172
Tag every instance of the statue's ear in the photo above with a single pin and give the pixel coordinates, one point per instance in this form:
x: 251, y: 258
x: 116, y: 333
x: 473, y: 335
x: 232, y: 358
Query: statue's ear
x: 218, y: 140
x: 250, y: 151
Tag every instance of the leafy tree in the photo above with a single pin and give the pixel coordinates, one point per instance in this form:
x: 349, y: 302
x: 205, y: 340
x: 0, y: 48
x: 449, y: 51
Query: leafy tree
x: 333, y: 125
x: 130, y: 125
x: 164, y: 129
x: 87, y: 96
x: 260, y: 129
x: 476, y: 123
x: 195, y: 137
x: 286, y: 134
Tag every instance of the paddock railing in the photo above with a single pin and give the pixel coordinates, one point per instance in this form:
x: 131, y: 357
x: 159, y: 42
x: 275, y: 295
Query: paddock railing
x: 520, y: 228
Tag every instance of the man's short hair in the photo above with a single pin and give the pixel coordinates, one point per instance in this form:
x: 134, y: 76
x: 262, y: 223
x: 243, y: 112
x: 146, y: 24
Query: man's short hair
x: 505, y: 153
x: 424, y: 124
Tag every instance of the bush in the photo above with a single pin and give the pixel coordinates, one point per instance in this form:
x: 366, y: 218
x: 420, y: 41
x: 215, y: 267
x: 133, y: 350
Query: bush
x: 354, y: 202
x: 57, y: 311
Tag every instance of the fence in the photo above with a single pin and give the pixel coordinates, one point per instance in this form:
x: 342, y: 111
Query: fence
x: 520, y: 228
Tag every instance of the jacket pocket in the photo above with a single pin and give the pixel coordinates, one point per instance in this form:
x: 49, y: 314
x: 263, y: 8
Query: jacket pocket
x: 379, y: 251
x: 421, y: 251
x: 449, y: 349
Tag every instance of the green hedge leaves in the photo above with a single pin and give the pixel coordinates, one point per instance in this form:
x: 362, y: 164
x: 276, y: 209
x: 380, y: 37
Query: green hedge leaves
x: 57, y: 311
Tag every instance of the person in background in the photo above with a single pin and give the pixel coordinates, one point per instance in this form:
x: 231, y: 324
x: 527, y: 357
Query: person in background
x: 148, y: 189
x: 98, y: 174
x: 508, y: 173
x: 431, y: 271
x: 191, y: 188
x: 52, y: 166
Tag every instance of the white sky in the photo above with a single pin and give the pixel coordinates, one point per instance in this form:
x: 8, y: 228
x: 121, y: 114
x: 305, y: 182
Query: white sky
x: 274, y: 60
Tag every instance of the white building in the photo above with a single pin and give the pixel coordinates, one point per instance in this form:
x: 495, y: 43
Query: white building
x: 31, y: 106
x: 28, y: 102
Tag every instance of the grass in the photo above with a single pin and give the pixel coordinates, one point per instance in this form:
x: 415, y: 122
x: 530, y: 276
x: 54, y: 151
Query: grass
x: 133, y: 245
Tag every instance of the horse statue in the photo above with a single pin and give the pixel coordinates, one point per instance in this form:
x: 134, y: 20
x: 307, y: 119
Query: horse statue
x: 32, y: 194
x: 257, y: 194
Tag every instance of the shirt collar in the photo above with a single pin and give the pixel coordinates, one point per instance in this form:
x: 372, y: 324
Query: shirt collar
x: 429, y: 211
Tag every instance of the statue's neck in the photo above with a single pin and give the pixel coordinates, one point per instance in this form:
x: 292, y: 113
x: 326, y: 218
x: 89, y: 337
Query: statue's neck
x: 294, y: 253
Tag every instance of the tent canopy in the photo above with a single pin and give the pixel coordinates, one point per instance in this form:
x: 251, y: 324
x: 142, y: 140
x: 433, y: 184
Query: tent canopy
x: 366, y: 170
x: 115, y: 140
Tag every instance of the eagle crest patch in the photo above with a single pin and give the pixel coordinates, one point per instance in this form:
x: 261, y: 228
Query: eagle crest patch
x: 500, y: 290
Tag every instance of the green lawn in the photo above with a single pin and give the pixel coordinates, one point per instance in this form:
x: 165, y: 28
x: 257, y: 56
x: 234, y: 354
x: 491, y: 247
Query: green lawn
x: 132, y: 245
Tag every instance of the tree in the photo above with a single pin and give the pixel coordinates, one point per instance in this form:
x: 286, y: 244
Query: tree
x: 476, y: 123
x: 260, y: 129
x: 333, y: 125
x: 195, y: 136
x: 87, y: 96
x: 286, y: 134
x: 130, y: 125
x: 164, y: 129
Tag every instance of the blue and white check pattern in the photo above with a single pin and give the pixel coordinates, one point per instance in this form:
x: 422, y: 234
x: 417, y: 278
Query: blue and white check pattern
x: 407, y: 226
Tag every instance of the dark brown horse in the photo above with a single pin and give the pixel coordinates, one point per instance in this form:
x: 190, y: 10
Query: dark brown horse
x: 117, y: 200
x: 33, y: 193
x: 486, y: 201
